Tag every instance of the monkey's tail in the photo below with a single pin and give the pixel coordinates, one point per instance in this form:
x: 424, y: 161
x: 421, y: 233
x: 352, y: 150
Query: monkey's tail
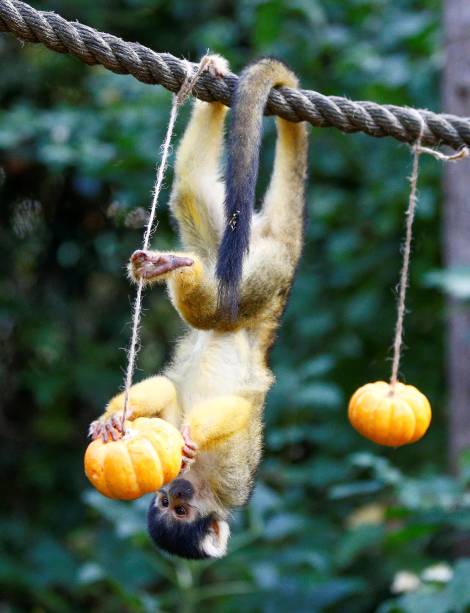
x: 244, y: 140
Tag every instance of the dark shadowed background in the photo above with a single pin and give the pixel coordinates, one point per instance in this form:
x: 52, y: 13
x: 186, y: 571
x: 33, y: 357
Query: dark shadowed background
x: 335, y: 522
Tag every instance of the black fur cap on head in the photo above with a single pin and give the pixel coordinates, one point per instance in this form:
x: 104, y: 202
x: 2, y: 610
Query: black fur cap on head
x: 179, y: 538
x: 244, y: 140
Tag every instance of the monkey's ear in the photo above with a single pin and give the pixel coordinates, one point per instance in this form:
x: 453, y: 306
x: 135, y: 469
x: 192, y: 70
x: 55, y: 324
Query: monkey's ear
x: 214, y: 544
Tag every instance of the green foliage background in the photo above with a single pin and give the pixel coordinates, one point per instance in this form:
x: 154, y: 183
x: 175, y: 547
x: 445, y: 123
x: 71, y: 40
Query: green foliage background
x: 333, y: 518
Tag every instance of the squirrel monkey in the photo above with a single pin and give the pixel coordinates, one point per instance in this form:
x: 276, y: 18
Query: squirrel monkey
x: 230, y: 287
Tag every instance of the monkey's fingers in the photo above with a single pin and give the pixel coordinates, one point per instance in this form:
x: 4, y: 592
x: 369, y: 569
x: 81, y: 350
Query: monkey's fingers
x: 138, y: 258
x: 137, y: 263
x: 164, y: 264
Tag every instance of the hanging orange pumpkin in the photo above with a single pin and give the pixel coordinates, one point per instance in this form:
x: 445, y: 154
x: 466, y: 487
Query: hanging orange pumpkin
x: 148, y: 456
x: 390, y: 415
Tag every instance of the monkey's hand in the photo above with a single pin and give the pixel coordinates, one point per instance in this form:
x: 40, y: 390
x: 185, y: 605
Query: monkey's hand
x: 151, y: 265
x: 216, y: 65
x: 108, y: 427
x: 189, y: 450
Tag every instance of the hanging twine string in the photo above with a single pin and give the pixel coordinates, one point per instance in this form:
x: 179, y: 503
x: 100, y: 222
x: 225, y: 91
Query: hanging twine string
x: 410, y: 214
x: 404, y: 274
x: 178, y: 100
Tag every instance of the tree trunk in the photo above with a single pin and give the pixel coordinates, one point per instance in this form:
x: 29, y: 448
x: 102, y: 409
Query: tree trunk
x: 456, y: 99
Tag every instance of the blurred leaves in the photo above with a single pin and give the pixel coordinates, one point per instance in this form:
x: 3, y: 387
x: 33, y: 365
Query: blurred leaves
x: 454, y: 281
x: 453, y: 598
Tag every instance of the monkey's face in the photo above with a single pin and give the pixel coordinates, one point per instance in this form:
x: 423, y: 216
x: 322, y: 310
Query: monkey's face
x: 180, y: 522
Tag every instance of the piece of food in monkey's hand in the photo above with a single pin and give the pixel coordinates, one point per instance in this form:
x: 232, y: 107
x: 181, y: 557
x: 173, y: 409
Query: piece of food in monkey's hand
x: 146, y: 458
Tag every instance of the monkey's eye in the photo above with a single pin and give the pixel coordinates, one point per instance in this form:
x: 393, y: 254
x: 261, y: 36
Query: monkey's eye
x: 164, y: 501
x: 181, y: 511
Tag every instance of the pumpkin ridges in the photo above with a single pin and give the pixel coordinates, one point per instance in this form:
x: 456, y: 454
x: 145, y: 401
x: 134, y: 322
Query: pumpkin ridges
x: 168, y: 446
x: 94, y: 466
x: 418, y: 401
x: 170, y: 440
x: 391, y: 417
x: 161, y: 449
x: 396, y: 415
x: 422, y: 414
x: 121, y: 483
x: 382, y: 413
x: 361, y: 391
x: 405, y: 419
x: 148, y: 466
x: 369, y: 416
x: 360, y: 416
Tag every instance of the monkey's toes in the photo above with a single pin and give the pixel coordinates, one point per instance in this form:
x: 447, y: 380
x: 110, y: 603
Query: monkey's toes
x: 217, y: 65
x: 189, y: 450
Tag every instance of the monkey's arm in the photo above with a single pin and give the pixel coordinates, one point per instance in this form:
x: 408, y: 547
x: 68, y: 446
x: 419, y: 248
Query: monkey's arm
x: 193, y: 289
x: 153, y: 397
x: 213, y: 421
x: 198, y: 193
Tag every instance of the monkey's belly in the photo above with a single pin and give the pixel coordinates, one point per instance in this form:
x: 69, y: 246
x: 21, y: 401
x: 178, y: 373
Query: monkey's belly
x: 208, y: 364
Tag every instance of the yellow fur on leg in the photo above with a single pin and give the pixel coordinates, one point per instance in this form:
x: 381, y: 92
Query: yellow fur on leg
x: 218, y: 418
x: 153, y: 397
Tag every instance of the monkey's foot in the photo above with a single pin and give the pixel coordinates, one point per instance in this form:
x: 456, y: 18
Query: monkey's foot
x: 189, y: 450
x: 216, y: 65
x: 150, y: 264
x: 109, y: 429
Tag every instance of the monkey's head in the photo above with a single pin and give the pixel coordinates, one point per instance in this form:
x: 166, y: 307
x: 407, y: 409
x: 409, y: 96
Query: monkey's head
x: 185, y: 524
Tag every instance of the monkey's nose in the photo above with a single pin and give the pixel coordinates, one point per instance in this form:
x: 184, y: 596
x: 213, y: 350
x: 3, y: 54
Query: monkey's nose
x: 182, y: 489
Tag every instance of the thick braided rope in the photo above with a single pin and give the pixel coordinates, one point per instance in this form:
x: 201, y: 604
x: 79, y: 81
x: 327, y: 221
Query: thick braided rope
x: 93, y: 47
